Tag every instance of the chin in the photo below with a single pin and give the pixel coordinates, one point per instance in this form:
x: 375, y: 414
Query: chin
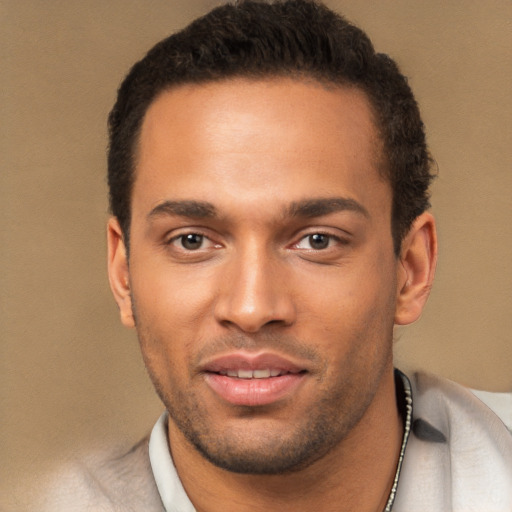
x: 278, y: 457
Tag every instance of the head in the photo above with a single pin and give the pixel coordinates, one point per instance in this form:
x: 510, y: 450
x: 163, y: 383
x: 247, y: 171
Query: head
x: 296, y: 39
x: 270, y: 172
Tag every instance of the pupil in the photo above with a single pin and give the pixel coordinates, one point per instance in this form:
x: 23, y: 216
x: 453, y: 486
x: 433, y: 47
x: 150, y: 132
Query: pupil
x: 192, y: 241
x: 319, y: 241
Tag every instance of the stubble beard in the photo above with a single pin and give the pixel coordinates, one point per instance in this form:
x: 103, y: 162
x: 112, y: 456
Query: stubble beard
x: 275, y: 453
x: 325, y: 426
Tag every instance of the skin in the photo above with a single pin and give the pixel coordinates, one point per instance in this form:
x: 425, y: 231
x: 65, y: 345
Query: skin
x: 250, y: 170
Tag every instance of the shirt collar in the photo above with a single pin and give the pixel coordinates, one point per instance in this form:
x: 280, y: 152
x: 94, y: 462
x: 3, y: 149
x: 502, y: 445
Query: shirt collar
x: 172, y: 494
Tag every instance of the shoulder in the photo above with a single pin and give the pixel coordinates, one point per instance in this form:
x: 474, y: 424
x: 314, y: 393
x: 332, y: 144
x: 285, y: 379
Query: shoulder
x: 459, y: 454
x: 106, y: 481
x: 455, y: 412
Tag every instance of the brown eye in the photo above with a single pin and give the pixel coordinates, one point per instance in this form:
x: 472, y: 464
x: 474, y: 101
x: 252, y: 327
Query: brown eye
x: 319, y: 241
x: 192, y: 241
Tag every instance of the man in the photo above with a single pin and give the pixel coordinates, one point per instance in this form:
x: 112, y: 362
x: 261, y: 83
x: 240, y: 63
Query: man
x: 269, y: 179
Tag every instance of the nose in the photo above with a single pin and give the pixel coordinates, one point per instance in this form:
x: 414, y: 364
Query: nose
x: 254, y: 293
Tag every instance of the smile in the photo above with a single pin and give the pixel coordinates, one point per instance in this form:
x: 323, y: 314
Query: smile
x: 252, y: 380
x: 253, y: 374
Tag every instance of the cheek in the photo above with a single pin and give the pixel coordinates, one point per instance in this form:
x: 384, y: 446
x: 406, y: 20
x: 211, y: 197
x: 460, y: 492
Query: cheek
x: 170, y: 306
x: 169, y: 297
x: 351, y: 292
x: 351, y: 308
x: 159, y: 320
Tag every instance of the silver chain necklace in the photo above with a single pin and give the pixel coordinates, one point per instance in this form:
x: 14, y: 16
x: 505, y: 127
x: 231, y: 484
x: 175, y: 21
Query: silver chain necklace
x: 407, y: 430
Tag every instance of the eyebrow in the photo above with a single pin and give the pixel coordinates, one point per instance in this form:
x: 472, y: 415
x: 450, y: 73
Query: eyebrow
x: 310, y: 208
x: 192, y: 209
x: 307, y: 208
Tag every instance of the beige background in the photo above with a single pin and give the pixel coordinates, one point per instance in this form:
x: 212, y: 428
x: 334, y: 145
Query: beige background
x: 70, y: 375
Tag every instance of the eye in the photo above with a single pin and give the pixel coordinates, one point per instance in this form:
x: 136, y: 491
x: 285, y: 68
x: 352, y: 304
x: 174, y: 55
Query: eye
x: 316, y: 241
x: 191, y: 242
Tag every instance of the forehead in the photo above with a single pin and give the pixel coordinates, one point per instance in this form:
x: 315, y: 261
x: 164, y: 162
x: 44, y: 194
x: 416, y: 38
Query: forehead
x: 245, y: 136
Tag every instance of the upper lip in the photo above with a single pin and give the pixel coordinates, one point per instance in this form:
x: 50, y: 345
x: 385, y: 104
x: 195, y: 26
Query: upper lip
x: 250, y: 361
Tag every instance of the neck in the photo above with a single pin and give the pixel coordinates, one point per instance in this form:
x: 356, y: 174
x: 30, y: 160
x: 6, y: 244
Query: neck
x: 356, y: 475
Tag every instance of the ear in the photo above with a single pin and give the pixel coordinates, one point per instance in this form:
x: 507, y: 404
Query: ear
x: 118, y: 272
x: 418, y: 257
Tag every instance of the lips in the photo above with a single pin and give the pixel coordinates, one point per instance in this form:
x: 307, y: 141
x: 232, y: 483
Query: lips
x: 253, y: 380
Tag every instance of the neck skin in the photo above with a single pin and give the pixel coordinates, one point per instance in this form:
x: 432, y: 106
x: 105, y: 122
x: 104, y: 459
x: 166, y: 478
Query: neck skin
x: 356, y: 475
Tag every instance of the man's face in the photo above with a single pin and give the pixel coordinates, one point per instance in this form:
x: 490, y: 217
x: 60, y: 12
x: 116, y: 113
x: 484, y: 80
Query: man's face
x: 262, y: 276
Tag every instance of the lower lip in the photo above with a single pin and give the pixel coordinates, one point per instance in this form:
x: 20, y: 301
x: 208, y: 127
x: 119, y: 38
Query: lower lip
x: 253, y: 392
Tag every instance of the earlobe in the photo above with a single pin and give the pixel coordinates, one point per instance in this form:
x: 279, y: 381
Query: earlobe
x: 416, y: 269
x: 118, y: 272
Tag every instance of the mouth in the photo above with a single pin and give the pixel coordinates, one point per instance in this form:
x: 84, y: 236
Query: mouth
x: 255, y: 374
x: 253, y: 380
